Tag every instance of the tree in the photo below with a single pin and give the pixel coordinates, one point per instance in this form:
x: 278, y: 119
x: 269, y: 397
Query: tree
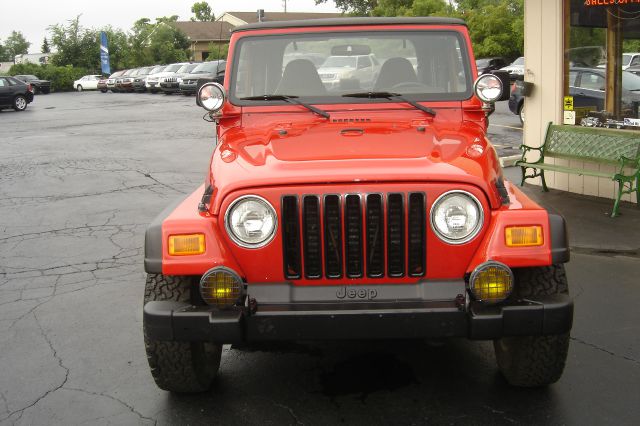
x: 4, y: 55
x: 202, y: 12
x: 354, y: 7
x: 45, y: 46
x: 75, y: 45
x: 16, y: 44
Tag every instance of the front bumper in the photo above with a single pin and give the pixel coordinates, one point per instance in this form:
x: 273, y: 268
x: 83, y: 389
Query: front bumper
x: 177, y: 321
x: 170, y: 87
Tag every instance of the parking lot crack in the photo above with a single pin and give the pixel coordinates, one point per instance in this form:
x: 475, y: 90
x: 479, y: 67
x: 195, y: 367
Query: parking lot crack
x: 291, y: 412
x: 601, y: 349
x: 113, y: 398
x: 149, y: 176
x: 49, y: 391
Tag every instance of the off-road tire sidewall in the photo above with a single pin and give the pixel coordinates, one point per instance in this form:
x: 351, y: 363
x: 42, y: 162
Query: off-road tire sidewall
x: 182, y: 367
x: 531, y: 361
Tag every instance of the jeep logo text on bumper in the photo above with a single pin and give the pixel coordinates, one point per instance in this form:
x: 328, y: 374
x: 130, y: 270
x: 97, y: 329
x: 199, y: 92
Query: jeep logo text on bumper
x: 356, y: 293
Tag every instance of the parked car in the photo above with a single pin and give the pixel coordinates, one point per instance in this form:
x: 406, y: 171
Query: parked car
x: 515, y: 69
x: 15, y: 93
x: 634, y: 69
x: 516, y: 101
x: 102, y: 84
x: 587, y: 86
x: 138, y: 82
x: 111, y: 81
x: 153, y: 80
x: 171, y: 83
x: 353, y: 214
x: 628, y: 60
x: 124, y: 82
x: 487, y: 65
x: 39, y: 86
x: 203, y: 73
x: 88, y: 82
x: 349, y: 67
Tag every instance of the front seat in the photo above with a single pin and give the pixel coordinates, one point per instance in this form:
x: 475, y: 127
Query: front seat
x: 300, y: 78
x: 395, y: 71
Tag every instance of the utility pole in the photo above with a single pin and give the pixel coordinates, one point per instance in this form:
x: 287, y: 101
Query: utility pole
x: 284, y: 3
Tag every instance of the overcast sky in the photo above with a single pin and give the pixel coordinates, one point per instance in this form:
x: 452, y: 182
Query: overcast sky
x: 33, y: 18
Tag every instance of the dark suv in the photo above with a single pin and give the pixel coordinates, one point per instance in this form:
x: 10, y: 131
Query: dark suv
x: 212, y: 71
x: 14, y: 93
x: 38, y: 85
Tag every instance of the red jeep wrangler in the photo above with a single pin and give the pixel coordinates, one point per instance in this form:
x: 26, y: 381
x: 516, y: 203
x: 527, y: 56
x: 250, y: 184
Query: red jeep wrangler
x: 353, y: 194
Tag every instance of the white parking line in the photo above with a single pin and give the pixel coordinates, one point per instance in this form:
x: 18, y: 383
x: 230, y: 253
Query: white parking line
x: 506, y: 127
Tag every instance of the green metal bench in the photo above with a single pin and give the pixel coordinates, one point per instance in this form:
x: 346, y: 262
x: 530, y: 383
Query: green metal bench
x: 597, y: 145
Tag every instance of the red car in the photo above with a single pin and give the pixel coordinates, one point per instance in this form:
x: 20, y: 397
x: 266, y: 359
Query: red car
x: 361, y: 209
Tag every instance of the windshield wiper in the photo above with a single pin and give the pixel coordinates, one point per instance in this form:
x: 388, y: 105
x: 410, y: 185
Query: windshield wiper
x: 390, y: 95
x: 288, y: 98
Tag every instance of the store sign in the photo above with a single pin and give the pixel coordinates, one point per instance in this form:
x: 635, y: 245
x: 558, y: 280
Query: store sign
x: 569, y: 117
x: 568, y: 103
x: 596, y: 3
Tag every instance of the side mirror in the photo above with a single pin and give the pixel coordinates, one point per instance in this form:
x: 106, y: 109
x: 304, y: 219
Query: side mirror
x: 506, y: 83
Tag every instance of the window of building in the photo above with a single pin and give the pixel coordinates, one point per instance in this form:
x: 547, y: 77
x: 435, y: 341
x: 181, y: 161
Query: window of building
x: 602, y: 63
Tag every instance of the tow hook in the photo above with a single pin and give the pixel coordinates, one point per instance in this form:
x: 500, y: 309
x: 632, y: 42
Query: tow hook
x: 253, y: 306
x: 460, y: 302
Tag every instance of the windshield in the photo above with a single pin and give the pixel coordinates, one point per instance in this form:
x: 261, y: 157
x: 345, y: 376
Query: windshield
x: 626, y: 60
x: 482, y: 62
x: 185, y: 69
x: 423, y: 65
x: 519, y: 61
x: 173, y: 68
x: 30, y: 77
x: 158, y: 69
x: 630, y: 81
x: 340, y: 62
x: 206, y: 67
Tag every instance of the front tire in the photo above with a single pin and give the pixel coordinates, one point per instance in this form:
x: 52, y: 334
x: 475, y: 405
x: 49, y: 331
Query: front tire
x: 531, y: 361
x: 182, y: 367
x: 79, y: 88
x: 20, y: 103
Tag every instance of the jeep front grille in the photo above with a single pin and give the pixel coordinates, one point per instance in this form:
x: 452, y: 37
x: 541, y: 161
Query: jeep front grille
x: 334, y: 236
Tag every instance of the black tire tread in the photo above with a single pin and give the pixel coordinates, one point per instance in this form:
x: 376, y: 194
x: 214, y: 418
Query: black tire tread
x: 182, y: 367
x: 532, y: 361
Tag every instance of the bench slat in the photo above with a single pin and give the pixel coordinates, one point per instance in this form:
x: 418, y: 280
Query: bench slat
x: 565, y: 169
x: 599, y: 145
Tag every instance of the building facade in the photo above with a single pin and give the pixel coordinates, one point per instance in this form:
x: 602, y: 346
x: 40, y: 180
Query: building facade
x: 581, y: 51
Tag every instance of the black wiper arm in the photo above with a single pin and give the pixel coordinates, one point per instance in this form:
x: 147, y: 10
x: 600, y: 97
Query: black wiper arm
x: 288, y: 98
x: 390, y: 95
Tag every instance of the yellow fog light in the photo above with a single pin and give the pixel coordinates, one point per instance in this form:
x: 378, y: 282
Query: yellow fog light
x: 523, y: 236
x: 221, y: 287
x: 491, y: 282
x: 186, y: 245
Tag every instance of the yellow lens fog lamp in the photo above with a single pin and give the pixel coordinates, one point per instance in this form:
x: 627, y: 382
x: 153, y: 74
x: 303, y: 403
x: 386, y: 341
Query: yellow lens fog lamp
x: 491, y: 282
x: 221, y: 287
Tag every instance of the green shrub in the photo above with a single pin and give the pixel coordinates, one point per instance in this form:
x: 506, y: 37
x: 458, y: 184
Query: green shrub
x: 61, y: 78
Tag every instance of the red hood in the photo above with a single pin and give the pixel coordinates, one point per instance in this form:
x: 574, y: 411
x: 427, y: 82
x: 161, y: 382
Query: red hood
x: 352, y: 147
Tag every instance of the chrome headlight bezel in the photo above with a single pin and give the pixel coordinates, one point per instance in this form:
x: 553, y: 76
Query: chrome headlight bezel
x: 477, y: 227
x: 235, y: 238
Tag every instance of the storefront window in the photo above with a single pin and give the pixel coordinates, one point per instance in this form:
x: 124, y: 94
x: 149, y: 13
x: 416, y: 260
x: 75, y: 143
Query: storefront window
x: 602, y: 63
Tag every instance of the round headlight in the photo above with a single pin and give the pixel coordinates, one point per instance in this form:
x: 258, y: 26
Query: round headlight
x: 211, y: 96
x: 488, y: 88
x: 251, y: 221
x: 456, y: 217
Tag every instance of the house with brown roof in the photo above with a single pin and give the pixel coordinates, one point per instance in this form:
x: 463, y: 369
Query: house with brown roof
x: 242, y: 18
x: 205, y: 37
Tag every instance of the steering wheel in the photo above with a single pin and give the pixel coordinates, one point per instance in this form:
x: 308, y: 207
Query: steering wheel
x: 412, y: 86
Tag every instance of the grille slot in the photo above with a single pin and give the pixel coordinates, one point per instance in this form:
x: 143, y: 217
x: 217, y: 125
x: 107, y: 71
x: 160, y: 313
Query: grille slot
x: 351, y: 235
x: 291, y: 237
x: 332, y: 236
x: 312, y: 243
x: 416, y: 234
x: 375, y: 236
x: 395, y: 235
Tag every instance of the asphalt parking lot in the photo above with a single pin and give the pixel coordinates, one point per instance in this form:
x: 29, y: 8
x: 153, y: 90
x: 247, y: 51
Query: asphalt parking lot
x: 82, y: 174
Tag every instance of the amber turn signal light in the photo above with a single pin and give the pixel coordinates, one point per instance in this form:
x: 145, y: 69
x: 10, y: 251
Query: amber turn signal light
x: 523, y: 236
x: 186, y: 245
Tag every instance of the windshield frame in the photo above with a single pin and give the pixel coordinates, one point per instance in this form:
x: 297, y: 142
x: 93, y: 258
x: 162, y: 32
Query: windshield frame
x: 338, y: 98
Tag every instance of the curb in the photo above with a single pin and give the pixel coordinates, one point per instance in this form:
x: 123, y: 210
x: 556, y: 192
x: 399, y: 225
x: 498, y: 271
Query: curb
x: 509, y: 161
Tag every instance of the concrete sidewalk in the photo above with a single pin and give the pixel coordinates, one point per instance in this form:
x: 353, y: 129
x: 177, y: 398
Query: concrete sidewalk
x: 591, y: 229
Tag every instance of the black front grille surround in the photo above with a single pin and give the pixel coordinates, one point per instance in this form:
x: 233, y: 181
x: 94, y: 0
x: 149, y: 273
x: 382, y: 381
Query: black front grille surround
x: 354, y: 235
